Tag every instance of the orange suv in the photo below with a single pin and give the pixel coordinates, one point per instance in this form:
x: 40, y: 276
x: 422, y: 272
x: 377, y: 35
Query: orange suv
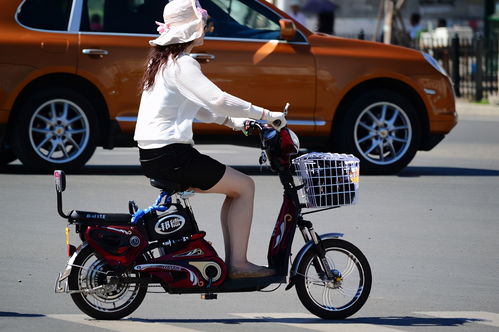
x: 69, y: 72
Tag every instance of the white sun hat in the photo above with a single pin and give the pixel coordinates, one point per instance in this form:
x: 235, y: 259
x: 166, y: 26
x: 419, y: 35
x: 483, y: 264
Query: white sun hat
x: 184, y: 21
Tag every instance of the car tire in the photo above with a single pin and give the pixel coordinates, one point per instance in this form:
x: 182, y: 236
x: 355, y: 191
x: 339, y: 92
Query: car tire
x: 6, y: 156
x: 56, y: 129
x: 381, y: 128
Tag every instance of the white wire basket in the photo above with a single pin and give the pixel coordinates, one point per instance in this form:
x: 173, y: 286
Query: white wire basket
x: 329, y: 179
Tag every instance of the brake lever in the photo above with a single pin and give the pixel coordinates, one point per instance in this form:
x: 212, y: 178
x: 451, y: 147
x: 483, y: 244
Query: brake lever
x: 249, y: 127
x: 286, y: 107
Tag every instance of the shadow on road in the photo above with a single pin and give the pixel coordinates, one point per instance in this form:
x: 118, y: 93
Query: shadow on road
x: 18, y: 315
x: 123, y: 170
x: 385, y: 321
x: 399, y: 321
x: 410, y: 171
x: 417, y: 171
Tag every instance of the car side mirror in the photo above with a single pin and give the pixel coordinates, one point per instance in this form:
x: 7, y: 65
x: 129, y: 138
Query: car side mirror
x: 288, y: 29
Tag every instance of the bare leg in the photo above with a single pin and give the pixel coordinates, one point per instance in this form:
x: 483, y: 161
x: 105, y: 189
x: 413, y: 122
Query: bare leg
x: 236, y: 216
x: 225, y: 228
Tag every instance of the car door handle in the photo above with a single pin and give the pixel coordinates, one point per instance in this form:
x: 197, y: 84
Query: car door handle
x: 95, y: 51
x: 203, y: 57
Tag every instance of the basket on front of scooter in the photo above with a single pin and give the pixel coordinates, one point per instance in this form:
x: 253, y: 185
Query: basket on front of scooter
x: 329, y: 179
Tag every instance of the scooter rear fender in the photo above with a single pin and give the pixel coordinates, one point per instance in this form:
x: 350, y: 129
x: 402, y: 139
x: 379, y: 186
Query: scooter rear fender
x: 69, y: 265
x: 299, y: 257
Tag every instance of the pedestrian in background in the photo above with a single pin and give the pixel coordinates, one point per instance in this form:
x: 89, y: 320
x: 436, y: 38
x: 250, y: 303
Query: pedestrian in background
x: 296, y: 13
x: 416, y: 28
x: 325, y: 11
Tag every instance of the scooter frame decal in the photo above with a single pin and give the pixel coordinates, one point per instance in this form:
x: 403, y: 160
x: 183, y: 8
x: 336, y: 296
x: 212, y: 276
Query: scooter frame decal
x: 168, y: 267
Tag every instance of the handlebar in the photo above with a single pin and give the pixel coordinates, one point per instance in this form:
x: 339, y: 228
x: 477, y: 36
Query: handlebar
x: 251, y: 125
x: 277, y: 123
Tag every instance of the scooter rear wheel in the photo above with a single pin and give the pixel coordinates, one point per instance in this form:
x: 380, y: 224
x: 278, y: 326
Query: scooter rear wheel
x: 101, y: 294
x: 345, y: 294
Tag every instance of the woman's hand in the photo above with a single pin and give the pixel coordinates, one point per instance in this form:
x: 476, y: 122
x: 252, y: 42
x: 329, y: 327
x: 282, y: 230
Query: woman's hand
x: 235, y: 123
x: 275, y: 119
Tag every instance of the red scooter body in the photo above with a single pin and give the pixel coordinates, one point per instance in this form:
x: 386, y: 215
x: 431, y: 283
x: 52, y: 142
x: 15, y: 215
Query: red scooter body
x: 125, y: 253
x: 117, y: 245
x: 196, y: 265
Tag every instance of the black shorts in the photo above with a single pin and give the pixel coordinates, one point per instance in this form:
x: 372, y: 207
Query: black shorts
x: 181, y: 163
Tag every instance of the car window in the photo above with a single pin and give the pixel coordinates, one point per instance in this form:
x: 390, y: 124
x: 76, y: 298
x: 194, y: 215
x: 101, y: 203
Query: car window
x: 247, y: 19
x: 45, y: 15
x: 122, y: 16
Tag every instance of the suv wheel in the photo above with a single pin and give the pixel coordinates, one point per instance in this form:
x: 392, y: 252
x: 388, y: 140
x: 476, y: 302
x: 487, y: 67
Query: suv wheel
x: 56, y: 128
x: 381, y: 128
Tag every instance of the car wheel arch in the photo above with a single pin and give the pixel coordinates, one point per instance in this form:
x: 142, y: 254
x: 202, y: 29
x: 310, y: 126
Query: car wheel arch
x: 380, y: 83
x: 73, y: 82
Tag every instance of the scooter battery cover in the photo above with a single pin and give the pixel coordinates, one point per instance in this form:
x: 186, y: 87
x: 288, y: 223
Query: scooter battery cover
x: 177, y: 222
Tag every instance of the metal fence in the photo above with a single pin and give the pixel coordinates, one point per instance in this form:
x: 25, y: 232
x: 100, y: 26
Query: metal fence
x: 472, y: 63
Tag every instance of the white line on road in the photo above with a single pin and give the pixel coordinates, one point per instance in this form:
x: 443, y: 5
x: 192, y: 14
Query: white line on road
x: 123, y: 325
x: 481, y: 317
x: 310, y: 322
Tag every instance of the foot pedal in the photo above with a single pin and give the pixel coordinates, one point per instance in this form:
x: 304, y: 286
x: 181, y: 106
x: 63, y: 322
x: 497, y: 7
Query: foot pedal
x: 209, y: 296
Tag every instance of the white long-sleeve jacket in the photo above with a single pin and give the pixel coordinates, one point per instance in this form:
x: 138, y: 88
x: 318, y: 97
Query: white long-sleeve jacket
x: 181, y: 93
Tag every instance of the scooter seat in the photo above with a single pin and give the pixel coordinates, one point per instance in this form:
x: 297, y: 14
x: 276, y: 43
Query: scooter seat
x: 168, y: 186
x: 97, y: 218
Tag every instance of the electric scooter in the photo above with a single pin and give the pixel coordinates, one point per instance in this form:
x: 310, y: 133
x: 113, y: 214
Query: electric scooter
x: 122, y: 255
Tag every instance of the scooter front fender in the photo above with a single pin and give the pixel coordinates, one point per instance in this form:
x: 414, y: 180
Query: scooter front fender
x: 301, y: 254
x: 67, y: 271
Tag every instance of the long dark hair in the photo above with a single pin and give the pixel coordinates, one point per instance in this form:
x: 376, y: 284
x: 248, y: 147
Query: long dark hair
x: 158, y: 56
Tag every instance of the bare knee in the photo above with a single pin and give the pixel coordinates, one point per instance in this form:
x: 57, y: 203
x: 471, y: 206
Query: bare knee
x: 244, y: 187
x: 234, y: 184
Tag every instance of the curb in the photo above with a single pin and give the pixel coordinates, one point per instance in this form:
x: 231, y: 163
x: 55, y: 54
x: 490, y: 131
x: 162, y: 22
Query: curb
x: 465, y: 107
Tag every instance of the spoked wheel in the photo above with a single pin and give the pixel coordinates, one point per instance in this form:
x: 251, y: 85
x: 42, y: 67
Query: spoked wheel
x: 55, y: 128
x: 382, y: 128
x: 102, y: 293
x: 341, y: 296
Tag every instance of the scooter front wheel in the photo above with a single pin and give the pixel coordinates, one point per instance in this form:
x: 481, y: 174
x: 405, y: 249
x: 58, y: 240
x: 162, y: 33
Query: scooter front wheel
x: 344, y: 294
x: 100, y: 292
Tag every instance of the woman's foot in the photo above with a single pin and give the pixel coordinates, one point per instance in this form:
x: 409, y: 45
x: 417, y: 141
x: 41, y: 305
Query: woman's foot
x: 250, y: 271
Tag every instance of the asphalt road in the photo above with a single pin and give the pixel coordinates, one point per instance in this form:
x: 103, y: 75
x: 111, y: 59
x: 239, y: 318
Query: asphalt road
x: 430, y: 234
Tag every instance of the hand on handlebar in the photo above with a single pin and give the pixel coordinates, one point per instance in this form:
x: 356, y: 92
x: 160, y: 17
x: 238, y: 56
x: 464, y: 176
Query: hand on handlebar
x: 275, y: 119
x: 236, y: 123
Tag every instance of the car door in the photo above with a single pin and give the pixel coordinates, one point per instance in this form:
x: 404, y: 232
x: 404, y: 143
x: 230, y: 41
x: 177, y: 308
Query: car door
x: 244, y: 55
x: 114, y: 37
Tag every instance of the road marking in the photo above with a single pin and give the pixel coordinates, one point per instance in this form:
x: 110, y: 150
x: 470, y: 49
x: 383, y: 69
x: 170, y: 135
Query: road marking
x: 123, y: 325
x: 311, y: 322
x: 480, y: 317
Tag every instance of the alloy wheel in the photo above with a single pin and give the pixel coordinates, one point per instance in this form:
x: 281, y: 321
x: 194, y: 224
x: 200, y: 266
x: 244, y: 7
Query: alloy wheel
x: 59, y: 131
x: 383, y: 133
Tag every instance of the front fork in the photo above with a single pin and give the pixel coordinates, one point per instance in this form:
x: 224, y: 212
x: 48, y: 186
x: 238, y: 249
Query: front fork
x: 321, y: 264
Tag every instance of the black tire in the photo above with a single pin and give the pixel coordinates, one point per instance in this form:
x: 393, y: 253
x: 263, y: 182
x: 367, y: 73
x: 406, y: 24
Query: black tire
x: 381, y: 128
x: 118, y: 301
x: 56, y: 129
x: 336, y: 299
x: 6, y: 156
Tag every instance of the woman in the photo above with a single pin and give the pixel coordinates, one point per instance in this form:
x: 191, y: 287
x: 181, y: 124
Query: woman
x: 175, y: 91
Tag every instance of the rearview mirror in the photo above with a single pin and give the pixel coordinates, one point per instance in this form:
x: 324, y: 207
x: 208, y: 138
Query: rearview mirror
x: 288, y: 29
x: 60, y: 181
